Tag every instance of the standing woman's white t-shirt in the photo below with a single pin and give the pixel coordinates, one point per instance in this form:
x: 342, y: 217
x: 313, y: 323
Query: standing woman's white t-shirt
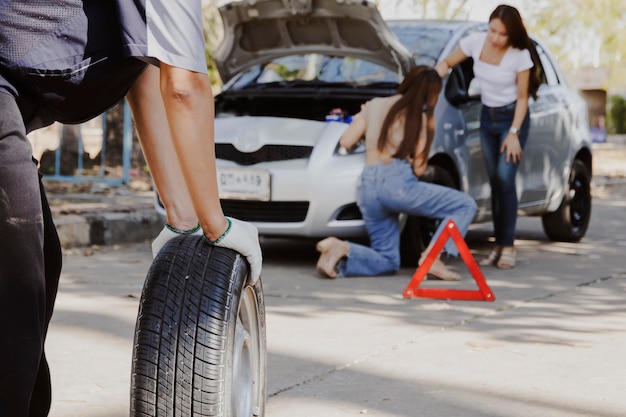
x: 498, y: 83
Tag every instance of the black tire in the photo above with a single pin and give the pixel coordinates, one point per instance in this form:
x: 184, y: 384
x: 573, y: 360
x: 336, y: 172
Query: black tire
x: 570, y: 221
x: 199, y: 347
x: 418, y: 231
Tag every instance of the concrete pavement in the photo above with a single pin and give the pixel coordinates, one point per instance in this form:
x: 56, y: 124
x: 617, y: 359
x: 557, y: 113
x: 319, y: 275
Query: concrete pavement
x: 551, y: 345
x: 97, y: 214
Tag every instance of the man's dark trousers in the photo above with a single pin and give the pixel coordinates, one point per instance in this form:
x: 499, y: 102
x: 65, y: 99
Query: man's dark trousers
x: 30, y: 267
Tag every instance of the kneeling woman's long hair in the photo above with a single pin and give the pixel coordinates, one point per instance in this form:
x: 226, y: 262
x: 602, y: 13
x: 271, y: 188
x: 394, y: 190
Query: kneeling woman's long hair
x: 420, y: 90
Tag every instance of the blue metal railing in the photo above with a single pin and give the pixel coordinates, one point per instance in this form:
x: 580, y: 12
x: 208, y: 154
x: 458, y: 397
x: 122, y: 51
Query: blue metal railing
x: 80, y: 175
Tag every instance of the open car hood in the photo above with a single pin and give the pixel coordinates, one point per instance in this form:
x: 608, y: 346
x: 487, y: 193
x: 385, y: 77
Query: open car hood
x: 257, y: 31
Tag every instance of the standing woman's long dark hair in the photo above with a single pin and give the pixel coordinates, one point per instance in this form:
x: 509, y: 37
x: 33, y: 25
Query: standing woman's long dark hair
x: 418, y: 89
x: 518, y: 38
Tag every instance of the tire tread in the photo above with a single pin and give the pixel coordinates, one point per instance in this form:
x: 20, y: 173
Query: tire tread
x: 182, y: 330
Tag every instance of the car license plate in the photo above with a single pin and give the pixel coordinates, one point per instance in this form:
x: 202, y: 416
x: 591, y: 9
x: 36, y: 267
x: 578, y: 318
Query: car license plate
x: 243, y: 184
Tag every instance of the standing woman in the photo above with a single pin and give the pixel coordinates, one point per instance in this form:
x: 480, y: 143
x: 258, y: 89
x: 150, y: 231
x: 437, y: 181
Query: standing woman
x: 504, y: 66
x: 398, y: 133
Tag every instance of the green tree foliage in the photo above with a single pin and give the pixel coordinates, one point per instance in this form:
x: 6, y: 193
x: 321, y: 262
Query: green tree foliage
x: 578, y: 30
x: 213, y: 33
x: 617, y: 114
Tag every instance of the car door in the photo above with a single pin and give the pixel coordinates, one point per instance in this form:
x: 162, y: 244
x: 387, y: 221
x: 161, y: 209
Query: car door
x: 541, y: 167
x: 465, y: 130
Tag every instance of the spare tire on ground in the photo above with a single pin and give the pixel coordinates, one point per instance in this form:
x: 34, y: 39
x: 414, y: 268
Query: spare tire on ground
x: 199, y: 348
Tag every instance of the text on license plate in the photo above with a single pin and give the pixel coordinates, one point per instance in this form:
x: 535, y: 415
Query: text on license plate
x: 243, y: 184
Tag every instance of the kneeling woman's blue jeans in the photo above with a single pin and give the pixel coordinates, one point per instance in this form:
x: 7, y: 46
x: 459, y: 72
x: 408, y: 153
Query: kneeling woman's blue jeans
x: 383, y: 193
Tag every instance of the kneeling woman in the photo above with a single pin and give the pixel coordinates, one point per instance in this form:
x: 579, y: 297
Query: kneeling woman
x: 398, y: 133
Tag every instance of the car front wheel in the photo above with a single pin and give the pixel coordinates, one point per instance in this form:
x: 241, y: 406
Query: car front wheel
x: 418, y: 231
x: 569, y: 222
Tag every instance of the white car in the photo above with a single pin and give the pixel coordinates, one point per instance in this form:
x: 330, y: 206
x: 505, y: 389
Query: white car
x: 295, y: 75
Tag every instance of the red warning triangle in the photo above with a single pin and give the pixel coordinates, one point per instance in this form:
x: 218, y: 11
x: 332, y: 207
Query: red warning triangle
x: 483, y: 293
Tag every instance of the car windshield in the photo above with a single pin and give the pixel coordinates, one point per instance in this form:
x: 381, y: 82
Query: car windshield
x: 426, y: 41
x: 314, y: 68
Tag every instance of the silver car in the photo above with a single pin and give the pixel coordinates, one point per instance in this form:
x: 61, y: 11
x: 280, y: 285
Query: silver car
x: 294, y: 76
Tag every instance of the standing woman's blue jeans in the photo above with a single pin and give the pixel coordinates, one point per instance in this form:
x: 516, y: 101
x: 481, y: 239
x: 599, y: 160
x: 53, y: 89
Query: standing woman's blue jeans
x: 495, y: 123
x: 385, y: 191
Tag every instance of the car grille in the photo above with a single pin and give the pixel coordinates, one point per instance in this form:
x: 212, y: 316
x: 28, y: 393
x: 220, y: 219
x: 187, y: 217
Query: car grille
x: 268, y: 153
x: 266, y: 211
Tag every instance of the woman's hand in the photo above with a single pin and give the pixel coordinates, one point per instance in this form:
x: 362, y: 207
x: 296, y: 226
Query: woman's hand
x: 512, y: 148
x: 354, y: 132
x: 419, y: 166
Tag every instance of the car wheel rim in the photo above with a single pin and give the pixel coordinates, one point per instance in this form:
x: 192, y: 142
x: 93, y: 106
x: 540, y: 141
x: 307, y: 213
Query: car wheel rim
x: 579, y: 203
x: 246, y: 358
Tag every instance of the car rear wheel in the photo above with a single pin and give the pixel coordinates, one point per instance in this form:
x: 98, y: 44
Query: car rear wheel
x: 199, y: 347
x: 418, y: 231
x: 570, y: 221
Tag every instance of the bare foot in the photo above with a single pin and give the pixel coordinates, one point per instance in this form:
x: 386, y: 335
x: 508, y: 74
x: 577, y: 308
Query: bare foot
x: 441, y: 271
x: 326, y: 244
x: 332, y: 250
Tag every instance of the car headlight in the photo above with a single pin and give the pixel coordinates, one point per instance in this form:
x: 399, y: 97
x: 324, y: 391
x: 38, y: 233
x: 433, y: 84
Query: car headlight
x: 359, y: 147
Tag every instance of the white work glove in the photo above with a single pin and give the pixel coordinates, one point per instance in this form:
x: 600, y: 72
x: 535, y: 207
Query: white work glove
x: 242, y: 237
x: 168, y: 233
